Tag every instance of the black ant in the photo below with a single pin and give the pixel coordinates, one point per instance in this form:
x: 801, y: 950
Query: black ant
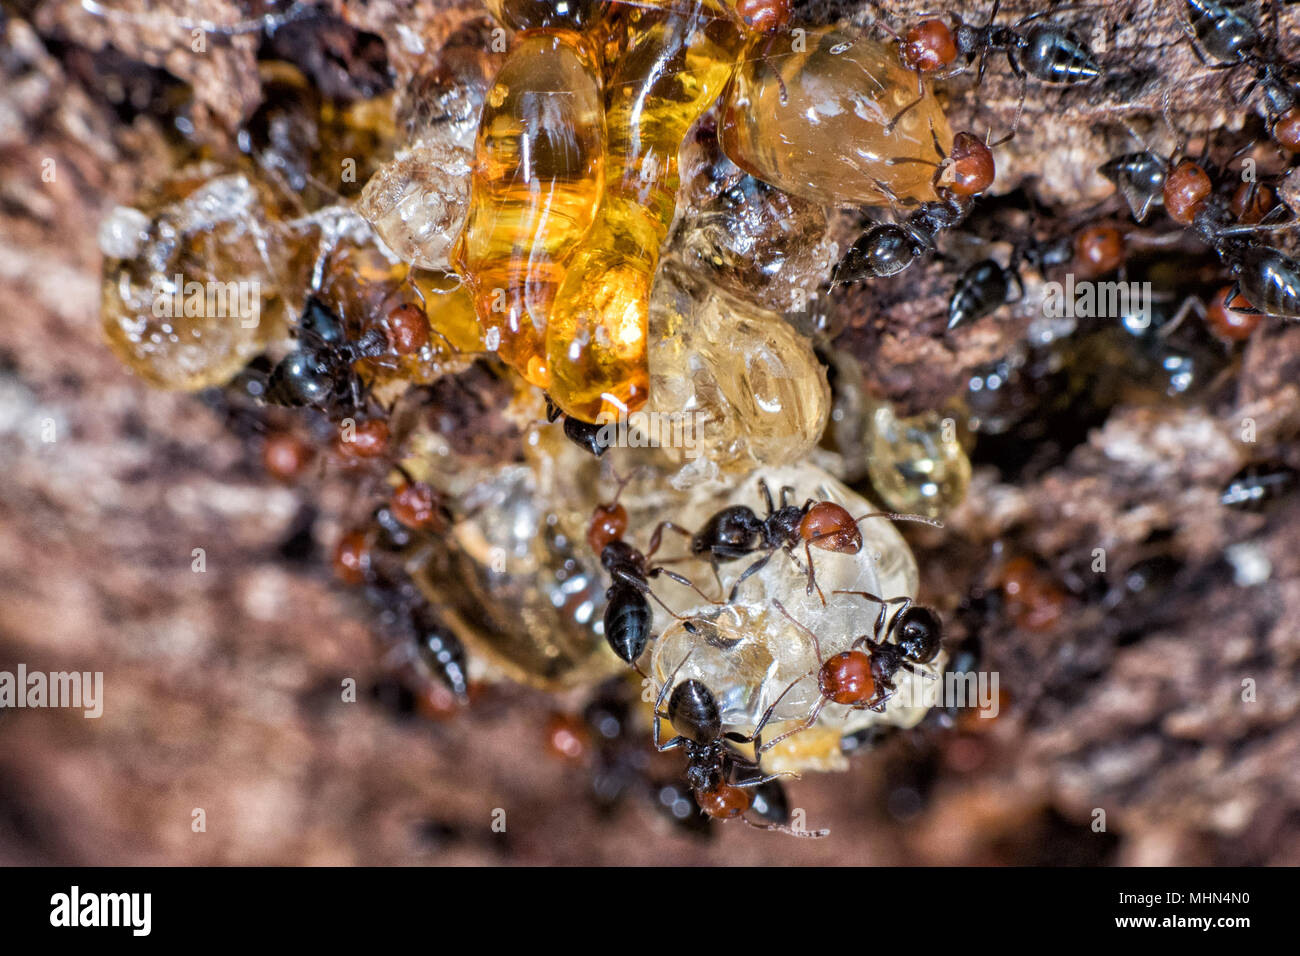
x: 988, y: 285
x: 737, y: 531
x: 1268, y: 278
x: 722, y: 780
x: 373, y: 556
x: 865, y: 679
x: 1230, y: 36
x: 319, y: 373
x: 1047, y: 51
x: 888, y: 248
x: 1140, y: 179
x: 627, y: 612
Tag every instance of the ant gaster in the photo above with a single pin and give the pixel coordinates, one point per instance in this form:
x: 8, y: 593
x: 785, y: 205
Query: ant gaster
x: 586, y: 435
x: 712, y: 765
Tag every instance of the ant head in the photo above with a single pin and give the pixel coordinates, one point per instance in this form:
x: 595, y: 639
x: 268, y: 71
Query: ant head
x: 1186, y: 189
x: 928, y: 46
x: 830, y: 527
x: 920, y: 634
x: 846, y: 678
x: 969, y: 169
x: 722, y: 801
x: 616, y: 553
x: 764, y: 16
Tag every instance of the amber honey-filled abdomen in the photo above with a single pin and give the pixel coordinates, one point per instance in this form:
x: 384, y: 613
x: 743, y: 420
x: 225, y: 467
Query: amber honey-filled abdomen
x: 812, y: 116
x: 677, y: 61
x: 538, y: 176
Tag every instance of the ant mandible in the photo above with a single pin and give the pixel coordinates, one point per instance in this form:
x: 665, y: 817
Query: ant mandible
x: 737, y: 531
x: 711, y: 763
x: 864, y: 680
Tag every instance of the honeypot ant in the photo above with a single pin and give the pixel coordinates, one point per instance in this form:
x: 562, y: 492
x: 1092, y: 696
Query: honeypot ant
x: 711, y: 763
x: 886, y: 249
x: 737, y: 531
x: 864, y: 680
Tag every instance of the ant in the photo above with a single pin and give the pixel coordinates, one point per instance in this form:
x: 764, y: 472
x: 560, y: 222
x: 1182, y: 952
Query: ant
x: 1265, y: 276
x: 723, y: 781
x: 988, y: 285
x: 627, y: 612
x: 585, y: 435
x: 372, y: 557
x: 865, y: 679
x: 1140, y: 179
x: 1046, y: 51
x: 1233, y: 39
x: 318, y: 373
x: 737, y: 531
x: 887, y: 249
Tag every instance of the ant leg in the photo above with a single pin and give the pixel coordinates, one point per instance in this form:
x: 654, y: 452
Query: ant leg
x: 757, y: 737
x: 812, y: 576
x: 808, y: 722
x: 920, y: 95
x: 658, y: 533
x: 767, y: 495
x: 680, y: 579
x: 788, y: 831
x: 752, y: 569
x: 1244, y: 310
x: 817, y: 645
x: 679, y: 740
x: 787, y: 492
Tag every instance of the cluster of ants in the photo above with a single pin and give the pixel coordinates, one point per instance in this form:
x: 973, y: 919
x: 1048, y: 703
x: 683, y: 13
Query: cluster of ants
x: 722, y: 780
x: 1038, y: 48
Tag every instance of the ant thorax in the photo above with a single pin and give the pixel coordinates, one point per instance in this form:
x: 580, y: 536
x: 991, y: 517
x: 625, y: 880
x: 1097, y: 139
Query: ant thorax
x: 748, y: 653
